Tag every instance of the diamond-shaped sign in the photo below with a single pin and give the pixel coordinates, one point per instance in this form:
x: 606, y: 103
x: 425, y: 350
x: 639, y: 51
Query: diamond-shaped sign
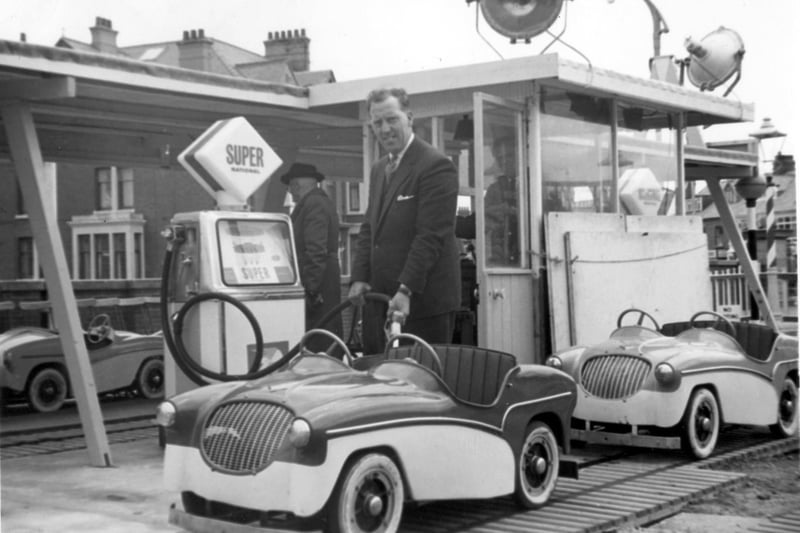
x: 230, y: 158
x: 640, y: 191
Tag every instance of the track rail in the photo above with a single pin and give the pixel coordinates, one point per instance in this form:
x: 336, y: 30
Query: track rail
x: 617, y: 487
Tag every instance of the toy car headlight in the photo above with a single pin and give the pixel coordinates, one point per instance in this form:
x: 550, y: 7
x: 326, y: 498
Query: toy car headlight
x: 165, y: 414
x: 299, y: 433
x: 554, y: 361
x: 665, y: 374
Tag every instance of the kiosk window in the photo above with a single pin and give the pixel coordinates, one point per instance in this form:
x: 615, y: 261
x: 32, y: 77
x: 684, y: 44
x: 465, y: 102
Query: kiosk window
x: 256, y: 252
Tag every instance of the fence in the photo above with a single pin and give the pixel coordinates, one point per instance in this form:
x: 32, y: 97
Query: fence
x: 140, y: 314
x: 729, y: 289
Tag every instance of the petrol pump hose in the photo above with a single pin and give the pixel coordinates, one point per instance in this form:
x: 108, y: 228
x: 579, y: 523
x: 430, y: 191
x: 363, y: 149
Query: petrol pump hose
x: 173, y: 329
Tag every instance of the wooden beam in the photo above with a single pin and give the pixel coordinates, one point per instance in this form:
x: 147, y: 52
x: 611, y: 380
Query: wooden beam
x: 24, y: 145
x: 735, y: 236
x: 37, y: 89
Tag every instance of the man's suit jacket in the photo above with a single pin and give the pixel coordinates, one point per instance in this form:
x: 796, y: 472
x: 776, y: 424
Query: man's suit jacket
x: 408, y: 235
x: 315, y: 225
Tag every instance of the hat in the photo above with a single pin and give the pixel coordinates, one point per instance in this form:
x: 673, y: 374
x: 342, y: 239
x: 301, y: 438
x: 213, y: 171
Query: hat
x: 302, y: 170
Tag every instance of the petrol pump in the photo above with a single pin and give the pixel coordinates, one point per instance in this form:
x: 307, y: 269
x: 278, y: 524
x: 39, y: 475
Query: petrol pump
x: 231, y: 299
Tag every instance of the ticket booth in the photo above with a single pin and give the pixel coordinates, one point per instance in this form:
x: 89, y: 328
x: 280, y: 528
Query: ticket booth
x: 540, y: 142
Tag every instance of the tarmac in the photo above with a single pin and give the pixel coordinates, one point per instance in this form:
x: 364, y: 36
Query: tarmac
x: 62, y: 492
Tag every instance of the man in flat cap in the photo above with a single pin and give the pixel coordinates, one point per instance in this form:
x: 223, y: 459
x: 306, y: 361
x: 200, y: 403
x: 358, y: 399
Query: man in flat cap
x: 316, y: 237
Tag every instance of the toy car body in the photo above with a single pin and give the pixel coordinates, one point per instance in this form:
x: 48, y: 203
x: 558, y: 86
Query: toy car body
x: 676, y: 385
x: 33, y: 363
x: 319, y: 438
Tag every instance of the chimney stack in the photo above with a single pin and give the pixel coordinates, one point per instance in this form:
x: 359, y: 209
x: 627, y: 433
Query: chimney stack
x: 291, y: 46
x: 194, y: 50
x: 104, y: 37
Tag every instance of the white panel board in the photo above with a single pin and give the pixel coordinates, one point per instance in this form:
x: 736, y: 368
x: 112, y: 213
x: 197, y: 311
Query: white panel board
x: 681, y: 224
x: 557, y: 225
x: 665, y: 274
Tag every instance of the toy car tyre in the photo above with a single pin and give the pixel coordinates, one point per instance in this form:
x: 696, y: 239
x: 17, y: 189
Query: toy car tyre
x: 537, y: 466
x: 150, y: 379
x: 47, y: 390
x: 701, y: 424
x: 369, y: 496
x: 787, y: 410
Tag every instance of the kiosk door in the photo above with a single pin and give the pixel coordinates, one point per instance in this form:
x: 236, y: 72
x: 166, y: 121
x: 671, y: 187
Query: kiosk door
x: 505, y: 300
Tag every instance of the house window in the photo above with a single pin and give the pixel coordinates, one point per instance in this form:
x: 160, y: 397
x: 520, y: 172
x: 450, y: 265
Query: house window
x: 114, y: 188
x: 125, y: 197
x: 788, y: 222
x: 20, y: 202
x: 119, y: 256
x: 108, y: 245
x: 84, y: 257
x: 138, y: 258
x: 25, y: 258
x: 104, y: 195
x: 102, y: 259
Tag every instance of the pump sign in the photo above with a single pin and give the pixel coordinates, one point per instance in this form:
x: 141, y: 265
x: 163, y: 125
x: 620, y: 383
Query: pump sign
x: 640, y: 191
x: 232, y: 158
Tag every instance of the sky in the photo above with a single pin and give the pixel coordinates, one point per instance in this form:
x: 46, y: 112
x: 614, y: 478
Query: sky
x: 366, y: 38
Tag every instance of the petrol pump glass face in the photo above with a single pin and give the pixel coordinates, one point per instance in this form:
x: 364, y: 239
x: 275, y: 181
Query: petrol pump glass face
x: 255, y: 252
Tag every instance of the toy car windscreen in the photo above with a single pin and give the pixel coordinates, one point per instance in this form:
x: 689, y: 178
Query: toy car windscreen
x: 256, y: 252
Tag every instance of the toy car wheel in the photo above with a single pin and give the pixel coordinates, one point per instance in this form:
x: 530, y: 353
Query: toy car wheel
x: 47, y: 390
x: 787, y: 410
x: 369, y: 497
x: 701, y: 424
x: 537, y: 466
x: 150, y: 379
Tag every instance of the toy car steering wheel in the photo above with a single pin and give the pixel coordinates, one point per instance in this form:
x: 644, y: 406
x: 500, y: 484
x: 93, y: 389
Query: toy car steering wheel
x: 336, y: 342
x: 719, y: 318
x: 99, y: 328
x: 427, y: 347
x: 642, y: 315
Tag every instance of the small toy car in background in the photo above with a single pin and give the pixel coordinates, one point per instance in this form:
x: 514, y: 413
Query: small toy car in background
x: 676, y: 385
x: 33, y: 364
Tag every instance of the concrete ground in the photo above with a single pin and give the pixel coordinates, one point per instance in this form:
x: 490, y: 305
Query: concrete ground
x: 62, y: 492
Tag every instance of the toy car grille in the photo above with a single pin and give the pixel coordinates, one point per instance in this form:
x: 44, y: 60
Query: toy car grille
x: 244, y: 436
x: 613, y: 377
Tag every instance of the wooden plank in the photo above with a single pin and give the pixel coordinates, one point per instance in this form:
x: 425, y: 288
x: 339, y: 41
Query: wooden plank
x: 37, y: 89
x: 24, y: 145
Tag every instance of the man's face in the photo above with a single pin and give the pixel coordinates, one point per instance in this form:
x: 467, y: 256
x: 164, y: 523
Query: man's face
x: 300, y: 186
x: 391, y: 125
x: 506, y: 157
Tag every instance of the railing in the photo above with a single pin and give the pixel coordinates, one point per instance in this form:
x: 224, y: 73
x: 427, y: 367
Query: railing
x: 140, y: 314
x: 730, y: 291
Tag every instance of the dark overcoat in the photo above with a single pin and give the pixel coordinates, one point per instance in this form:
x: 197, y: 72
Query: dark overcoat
x: 315, y: 225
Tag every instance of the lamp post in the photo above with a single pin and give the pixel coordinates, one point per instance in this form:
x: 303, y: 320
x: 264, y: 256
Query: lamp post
x: 767, y: 130
x: 751, y: 190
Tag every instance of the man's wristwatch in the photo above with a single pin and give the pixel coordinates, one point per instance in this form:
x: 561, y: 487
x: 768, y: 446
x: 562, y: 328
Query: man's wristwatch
x: 402, y: 289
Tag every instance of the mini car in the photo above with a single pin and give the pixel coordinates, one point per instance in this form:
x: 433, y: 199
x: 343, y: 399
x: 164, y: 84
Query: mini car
x: 674, y: 386
x: 33, y: 364
x: 348, y: 444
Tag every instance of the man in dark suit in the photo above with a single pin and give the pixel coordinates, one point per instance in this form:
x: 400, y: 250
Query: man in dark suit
x: 407, y: 248
x: 315, y: 226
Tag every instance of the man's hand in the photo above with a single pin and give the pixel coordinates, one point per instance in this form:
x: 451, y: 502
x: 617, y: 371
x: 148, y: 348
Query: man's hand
x: 399, y: 303
x: 357, y: 291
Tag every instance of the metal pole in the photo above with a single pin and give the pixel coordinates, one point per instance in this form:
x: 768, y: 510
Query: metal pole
x: 752, y: 248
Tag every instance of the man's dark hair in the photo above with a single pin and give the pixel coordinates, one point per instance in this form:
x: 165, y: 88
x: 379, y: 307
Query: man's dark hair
x: 379, y: 95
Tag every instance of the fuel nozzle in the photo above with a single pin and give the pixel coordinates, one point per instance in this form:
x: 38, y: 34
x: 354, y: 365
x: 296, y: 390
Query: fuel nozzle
x: 174, y: 234
x: 396, y: 322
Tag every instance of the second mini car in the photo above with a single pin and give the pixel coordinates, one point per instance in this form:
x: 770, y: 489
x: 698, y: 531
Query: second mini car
x: 675, y: 386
